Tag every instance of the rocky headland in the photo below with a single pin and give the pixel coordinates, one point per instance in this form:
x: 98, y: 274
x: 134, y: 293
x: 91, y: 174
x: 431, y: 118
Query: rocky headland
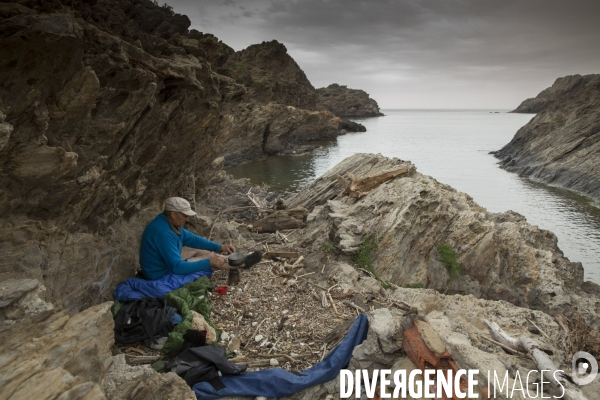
x: 108, y: 107
x: 345, y: 102
x: 560, y: 145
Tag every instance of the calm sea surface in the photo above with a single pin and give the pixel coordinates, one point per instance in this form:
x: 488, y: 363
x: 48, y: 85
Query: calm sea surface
x: 452, y: 146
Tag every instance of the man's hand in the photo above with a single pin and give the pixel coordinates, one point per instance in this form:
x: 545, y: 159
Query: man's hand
x: 218, y: 262
x: 227, y: 248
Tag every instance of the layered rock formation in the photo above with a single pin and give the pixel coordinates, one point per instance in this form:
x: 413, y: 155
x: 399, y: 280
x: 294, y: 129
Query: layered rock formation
x: 106, y: 109
x: 347, y: 102
x: 503, y: 257
x: 271, y: 75
x: 560, y: 145
x: 47, y: 354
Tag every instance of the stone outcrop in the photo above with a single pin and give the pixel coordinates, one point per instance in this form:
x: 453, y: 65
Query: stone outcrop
x: 46, y: 353
x: 94, y: 123
x: 255, y: 131
x: 106, y: 109
x: 454, y: 324
x: 562, y: 89
x: 504, y: 257
x: 560, y: 145
x: 271, y: 75
x: 349, y: 103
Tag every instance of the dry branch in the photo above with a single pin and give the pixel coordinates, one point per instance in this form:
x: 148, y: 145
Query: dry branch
x: 359, y: 187
x: 571, y: 390
x: 351, y: 304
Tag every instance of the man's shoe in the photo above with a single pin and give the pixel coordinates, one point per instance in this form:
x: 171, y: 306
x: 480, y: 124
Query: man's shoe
x: 252, y: 259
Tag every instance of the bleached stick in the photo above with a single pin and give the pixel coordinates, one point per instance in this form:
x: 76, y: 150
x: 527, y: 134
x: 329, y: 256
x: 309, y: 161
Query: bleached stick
x: 542, y: 359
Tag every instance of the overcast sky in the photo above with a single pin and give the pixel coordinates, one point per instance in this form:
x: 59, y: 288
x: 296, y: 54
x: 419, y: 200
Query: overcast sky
x: 419, y: 53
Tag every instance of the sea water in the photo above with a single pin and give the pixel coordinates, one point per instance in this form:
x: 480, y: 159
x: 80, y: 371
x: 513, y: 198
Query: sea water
x: 453, y: 147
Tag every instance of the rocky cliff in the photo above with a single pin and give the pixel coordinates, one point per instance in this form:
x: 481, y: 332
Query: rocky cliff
x: 562, y: 89
x: 106, y: 109
x: 503, y: 257
x: 271, y: 75
x: 347, y: 102
x: 561, y: 144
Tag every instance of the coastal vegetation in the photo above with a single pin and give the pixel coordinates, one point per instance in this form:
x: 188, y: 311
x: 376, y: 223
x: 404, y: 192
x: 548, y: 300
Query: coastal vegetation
x: 447, y: 256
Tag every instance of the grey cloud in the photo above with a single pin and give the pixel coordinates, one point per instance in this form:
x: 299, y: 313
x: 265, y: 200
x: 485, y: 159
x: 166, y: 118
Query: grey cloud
x: 514, y: 48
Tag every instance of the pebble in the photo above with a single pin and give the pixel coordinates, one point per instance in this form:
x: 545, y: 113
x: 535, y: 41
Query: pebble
x: 274, y: 298
x: 285, y: 311
x: 224, y: 336
x: 273, y: 361
x: 258, y: 338
x: 254, y: 323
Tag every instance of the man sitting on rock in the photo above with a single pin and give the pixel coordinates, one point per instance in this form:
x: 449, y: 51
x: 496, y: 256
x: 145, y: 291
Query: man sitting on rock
x: 168, y: 248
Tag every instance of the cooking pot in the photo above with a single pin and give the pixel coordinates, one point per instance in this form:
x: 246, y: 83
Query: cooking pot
x: 236, y: 259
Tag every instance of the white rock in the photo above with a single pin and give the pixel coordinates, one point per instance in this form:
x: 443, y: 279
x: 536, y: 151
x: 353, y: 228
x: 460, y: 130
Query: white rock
x: 285, y: 311
x: 258, y: 338
x: 254, y: 323
x: 224, y: 336
x: 273, y: 361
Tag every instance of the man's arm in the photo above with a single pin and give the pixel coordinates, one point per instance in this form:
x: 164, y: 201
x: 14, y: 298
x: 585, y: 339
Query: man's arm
x: 198, y: 242
x: 168, y: 249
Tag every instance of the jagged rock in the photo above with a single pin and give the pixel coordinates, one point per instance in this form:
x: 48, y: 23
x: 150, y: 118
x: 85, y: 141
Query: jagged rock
x: 256, y: 130
x: 156, y: 387
x: 503, y: 256
x: 12, y: 290
x: 347, y: 275
x: 123, y: 381
x: 271, y: 75
x: 49, y: 356
x: 30, y: 304
x: 559, y: 91
x: 346, y: 102
x: 560, y: 145
x: 110, y: 107
x: 385, y: 323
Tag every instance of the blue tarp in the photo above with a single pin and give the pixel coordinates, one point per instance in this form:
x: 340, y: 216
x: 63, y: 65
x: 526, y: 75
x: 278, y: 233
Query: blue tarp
x: 274, y: 383
x: 136, y: 288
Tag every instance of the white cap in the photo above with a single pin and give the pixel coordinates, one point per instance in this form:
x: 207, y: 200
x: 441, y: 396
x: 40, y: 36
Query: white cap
x: 180, y: 205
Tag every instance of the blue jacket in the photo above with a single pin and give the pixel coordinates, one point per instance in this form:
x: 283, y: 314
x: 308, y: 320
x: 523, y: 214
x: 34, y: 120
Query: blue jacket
x: 160, y: 251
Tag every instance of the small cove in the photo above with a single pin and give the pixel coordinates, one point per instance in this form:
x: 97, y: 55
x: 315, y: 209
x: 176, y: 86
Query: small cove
x: 453, y: 147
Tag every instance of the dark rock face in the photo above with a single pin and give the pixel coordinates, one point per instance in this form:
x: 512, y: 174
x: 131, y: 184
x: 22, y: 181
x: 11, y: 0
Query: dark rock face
x: 257, y: 130
x: 106, y: 109
x: 271, y: 75
x: 93, y: 126
x: 561, y: 89
x: 346, y: 102
x: 560, y: 145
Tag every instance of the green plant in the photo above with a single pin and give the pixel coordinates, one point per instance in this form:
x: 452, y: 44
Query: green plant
x: 447, y: 256
x: 415, y: 286
x: 364, y: 257
x: 327, y: 247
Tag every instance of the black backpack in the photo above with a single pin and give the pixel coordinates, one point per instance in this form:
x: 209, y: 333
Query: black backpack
x: 143, y: 319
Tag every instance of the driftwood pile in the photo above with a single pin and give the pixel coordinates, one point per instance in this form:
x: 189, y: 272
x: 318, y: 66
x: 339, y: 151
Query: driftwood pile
x: 277, y: 316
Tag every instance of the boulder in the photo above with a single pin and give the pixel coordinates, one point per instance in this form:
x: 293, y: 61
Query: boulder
x: 49, y: 354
